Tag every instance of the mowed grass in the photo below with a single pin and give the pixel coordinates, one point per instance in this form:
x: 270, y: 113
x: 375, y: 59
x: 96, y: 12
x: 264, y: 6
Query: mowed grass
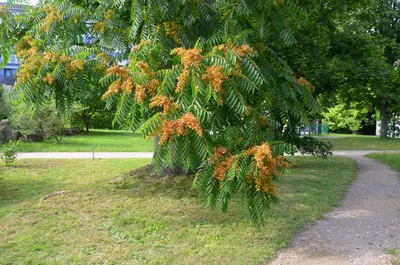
x: 391, y: 160
x: 363, y: 143
x: 108, y: 216
x: 105, y: 141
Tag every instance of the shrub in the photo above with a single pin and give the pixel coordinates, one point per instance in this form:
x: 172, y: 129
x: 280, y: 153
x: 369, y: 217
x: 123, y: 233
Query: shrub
x: 9, y: 153
x: 312, y: 146
x: 47, y: 122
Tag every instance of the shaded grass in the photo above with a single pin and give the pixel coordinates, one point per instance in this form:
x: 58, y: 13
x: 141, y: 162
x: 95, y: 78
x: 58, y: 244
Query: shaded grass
x: 391, y: 160
x: 108, y: 216
x: 105, y: 141
x: 363, y: 143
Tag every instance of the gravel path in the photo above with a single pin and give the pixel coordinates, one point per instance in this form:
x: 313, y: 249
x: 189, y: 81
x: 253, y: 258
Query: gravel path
x: 361, y: 229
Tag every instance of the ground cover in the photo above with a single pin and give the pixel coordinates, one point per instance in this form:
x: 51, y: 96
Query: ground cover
x: 105, y: 141
x: 148, y: 219
x: 362, y: 142
x: 392, y: 160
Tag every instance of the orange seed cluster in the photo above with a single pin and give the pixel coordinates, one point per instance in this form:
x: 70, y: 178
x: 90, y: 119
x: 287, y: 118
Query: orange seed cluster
x: 222, y: 167
x: 99, y: 27
x: 188, y: 57
x: 215, y: 76
x: 171, y: 30
x: 48, y: 79
x: 179, y: 127
x: 244, y: 50
x: 267, y: 165
x: 165, y: 102
x: 52, y: 15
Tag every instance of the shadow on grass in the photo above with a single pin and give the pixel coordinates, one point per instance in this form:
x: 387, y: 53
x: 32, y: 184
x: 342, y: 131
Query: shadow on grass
x: 17, y: 191
x: 18, y: 188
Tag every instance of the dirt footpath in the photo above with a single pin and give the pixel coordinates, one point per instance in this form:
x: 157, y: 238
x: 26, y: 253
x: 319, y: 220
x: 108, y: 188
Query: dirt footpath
x: 360, y: 230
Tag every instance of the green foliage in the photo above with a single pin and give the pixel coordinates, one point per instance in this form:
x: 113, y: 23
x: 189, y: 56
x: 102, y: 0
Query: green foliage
x: 345, y: 118
x: 8, y: 153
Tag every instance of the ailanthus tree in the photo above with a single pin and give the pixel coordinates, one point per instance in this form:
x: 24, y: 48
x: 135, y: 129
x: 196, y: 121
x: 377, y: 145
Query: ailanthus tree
x: 200, y: 74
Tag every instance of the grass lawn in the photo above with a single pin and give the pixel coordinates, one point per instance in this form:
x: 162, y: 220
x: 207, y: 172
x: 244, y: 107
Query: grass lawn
x: 105, y: 141
x: 363, y: 142
x: 392, y: 160
x: 108, y: 216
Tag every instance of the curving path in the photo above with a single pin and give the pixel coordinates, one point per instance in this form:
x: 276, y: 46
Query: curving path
x: 361, y: 229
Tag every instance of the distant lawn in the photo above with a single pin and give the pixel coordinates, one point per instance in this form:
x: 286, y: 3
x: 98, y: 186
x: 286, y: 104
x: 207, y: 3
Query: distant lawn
x: 363, y: 142
x: 105, y: 141
x: 144, y: 219
x: 392, y: 160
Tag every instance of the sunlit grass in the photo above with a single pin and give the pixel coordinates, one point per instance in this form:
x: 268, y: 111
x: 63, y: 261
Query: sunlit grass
x: 363, y: 143
x: 392, y: 160
x: 105, y: 141
x: 110, y: 217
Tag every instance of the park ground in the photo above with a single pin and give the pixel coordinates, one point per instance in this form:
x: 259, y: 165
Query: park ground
x: 107, y: 213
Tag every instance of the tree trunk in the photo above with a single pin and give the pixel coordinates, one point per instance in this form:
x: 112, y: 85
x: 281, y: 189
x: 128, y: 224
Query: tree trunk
x: 156, y: 140
x: 384, y: 118
x: 87, y: 126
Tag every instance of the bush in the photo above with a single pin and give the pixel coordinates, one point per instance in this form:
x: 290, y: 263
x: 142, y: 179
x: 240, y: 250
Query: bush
x: 3, y: 102
x: 310, y: 145
x: 47, y: 122
x: 9, y: 153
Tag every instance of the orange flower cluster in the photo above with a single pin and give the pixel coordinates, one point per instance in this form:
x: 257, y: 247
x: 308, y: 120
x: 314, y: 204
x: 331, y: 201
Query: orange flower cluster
x: 108, y: 14
x: 163, y: 101
x: 221, y: 168
x: 125, y: 82
x: 267, y: 166
x: 73, y: 67
x: 118, y: 71
x: 188, y: 57
x: 103, y: 57
x: 171, y: 30
x: 222, y: 48
x: 30, y: 59
x: 65, y: 58
x: 99, y: 27
x: 52, y: 15
x: 304, y: 83
x: 182, y: 79
x: 139, y: 46
x: 179, y: 127
x: 48, y: 78
x: 216, y: 77
x: 24, y: 44
x: 50, y: 57
x: 244, y: 50
x: 127, y: 86
x: 219, y: 152
x: 140, y: 93
x: 144, y: 68
x: 114, y: 88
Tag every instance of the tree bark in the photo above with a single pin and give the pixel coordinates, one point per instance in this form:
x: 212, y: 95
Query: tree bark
x: 384, y: 118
